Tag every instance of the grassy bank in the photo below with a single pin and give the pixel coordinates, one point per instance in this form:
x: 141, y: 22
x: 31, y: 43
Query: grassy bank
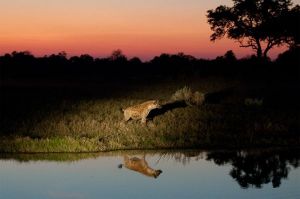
x: 89, y: 118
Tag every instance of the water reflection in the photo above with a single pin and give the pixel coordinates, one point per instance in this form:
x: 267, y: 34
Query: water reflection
x: 255, y: 168
x: 50, y: 157
x: 249, y: 168
x: 140, y: 165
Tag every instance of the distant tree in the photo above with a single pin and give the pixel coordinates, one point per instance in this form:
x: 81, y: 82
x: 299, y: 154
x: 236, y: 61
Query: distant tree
x: 135, y: 61
x: 56, y: 62
x: 258, y: 24
x: 22, y: 54
x: 62, y: 54
x: 186, y: 57
x: 22, y: 57
x: 74, y: 59
x: 117, y: 55
x: 85, y: 58
x: 290, y: 57
x: 230, y: 56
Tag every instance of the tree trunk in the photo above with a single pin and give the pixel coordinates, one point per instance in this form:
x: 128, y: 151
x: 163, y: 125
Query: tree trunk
x: 267, y: 50
x: 259, y: 50
x: 266, y: 54
x: 259, y: 53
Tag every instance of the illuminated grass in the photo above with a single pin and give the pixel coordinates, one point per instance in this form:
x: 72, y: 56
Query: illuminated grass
x: 96, y: 124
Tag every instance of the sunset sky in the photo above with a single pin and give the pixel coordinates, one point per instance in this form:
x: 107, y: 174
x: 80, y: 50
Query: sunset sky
x: 142, y: 28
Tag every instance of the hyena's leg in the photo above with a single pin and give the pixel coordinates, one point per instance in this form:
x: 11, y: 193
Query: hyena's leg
x: 144, y: 117
x: 144, y: 120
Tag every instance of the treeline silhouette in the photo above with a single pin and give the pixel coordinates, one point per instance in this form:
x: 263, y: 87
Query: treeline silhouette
x: 258, y: 168
x: 252, y: 168
x: 118, y: 66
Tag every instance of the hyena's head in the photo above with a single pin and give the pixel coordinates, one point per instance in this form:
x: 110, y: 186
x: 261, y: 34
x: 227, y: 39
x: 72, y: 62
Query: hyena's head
x: 155, y: 104
x: 157, y: 173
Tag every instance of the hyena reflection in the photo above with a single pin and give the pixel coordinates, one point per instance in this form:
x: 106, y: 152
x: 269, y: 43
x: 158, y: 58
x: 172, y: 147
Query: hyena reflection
x: 140, y: 165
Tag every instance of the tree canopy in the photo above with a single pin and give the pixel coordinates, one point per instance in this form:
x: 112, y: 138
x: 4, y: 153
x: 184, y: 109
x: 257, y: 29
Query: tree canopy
x: 258, y: 24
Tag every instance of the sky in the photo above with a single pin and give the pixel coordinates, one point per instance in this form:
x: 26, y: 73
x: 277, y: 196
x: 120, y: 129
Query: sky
x: 140, y: 28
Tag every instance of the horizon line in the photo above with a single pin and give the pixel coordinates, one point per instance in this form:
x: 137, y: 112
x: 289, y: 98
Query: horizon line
x: 68, y: 56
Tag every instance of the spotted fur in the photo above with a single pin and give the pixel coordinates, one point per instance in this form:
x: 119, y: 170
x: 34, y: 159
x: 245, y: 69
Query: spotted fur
x: 140, y: 111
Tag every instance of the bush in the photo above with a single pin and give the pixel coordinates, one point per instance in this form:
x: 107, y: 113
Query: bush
x: 198, y: 98
x: 184, y: 94
x: 190, y: 98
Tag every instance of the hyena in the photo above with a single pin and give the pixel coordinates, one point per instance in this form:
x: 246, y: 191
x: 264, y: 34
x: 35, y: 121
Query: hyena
x: 140, y: 111
x: 140, y: 165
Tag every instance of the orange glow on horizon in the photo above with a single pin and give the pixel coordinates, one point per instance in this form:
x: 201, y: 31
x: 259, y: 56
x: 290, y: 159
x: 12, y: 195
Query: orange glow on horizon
x: 143, y: 29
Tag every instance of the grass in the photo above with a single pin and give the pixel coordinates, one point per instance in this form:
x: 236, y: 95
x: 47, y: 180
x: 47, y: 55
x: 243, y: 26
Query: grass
x: 90, y: 121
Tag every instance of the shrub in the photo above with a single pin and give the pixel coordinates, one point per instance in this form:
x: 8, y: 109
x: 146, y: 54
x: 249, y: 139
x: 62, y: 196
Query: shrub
x: 198, y: 98
x: 184, y: 94
x: 190, y: 98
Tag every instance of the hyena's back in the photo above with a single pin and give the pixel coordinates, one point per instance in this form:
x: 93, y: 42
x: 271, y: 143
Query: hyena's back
x: 140, y: 111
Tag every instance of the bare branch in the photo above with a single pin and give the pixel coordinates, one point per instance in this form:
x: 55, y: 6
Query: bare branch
x: 249, y: 43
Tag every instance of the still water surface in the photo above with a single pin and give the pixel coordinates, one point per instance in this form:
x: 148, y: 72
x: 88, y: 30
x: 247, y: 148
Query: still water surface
x: 151, y: 174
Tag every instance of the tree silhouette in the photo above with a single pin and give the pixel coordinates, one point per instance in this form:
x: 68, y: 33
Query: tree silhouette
x: 117, y: 55
x: 290, y: 27
x: 257, y: 167
x: 258, y: 24
x: 230, y: 56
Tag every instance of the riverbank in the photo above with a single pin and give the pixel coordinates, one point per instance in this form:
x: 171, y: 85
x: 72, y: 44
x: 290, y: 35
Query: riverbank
x: 91, y: 120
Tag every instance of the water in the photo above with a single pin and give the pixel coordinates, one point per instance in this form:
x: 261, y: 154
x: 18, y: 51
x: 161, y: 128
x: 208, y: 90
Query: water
x: 185, y: 174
